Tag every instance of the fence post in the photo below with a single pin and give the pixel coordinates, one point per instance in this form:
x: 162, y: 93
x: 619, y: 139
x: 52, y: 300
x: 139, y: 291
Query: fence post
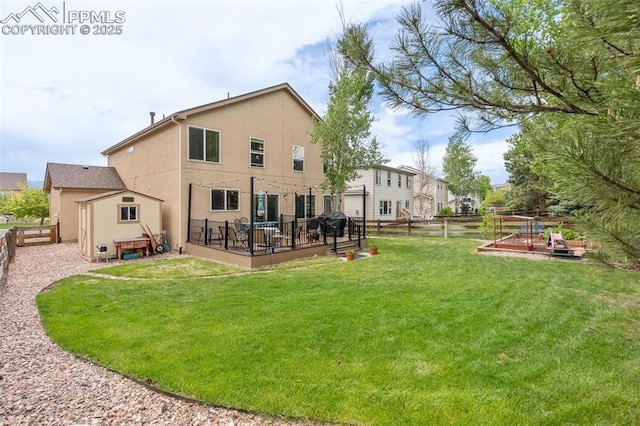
x: 446, y: 227
x: 409, y: 226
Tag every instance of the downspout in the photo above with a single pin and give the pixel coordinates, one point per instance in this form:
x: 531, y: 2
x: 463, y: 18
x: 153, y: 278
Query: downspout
x: 180, y: 230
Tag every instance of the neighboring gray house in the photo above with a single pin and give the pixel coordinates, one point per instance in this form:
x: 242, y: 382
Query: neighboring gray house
x: 430, y: 193
x: 67, y: 183
x: 389, y: 194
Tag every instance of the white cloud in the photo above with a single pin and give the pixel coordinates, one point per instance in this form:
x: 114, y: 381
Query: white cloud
x: 66, y: 98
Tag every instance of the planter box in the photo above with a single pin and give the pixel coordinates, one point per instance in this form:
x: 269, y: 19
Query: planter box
x: 576, y: 243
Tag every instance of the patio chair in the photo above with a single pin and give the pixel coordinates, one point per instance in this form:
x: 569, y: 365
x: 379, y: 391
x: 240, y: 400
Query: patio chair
x: 232, y: 237
x: 298, y: 233
x: 260, y: 238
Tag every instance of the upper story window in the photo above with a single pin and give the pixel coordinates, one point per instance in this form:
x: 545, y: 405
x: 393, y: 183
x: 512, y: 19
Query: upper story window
x: 204, y: 145
x: 257, y: 152
x: 409, y: 179
x: 388, y: 178
x: 128, y: 213
x: 399, y: 180
x: 378, y: 174
x: 225, y: 199
x: 298, y: 158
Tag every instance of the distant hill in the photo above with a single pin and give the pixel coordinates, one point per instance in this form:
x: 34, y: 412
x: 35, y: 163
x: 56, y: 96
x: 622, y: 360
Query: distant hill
x: 35, y: 183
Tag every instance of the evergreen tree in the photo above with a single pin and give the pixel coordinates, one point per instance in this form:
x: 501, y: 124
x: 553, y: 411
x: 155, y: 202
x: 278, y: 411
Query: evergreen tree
x: 574, y: 65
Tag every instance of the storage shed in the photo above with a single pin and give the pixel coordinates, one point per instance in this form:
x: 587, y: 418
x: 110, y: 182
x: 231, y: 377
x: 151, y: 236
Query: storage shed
x: 115, y: 216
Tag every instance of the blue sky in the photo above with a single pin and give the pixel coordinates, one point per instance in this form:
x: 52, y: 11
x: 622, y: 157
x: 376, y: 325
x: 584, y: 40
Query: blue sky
x: 67, y: 97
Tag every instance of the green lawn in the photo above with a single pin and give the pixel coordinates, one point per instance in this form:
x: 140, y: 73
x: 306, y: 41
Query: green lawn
x: 427, y: 332
x: 22, y: 224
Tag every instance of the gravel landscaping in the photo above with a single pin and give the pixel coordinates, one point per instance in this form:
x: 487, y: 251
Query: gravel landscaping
x: 42, y: 384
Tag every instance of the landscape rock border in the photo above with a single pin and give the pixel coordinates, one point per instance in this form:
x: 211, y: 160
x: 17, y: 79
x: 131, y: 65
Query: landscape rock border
x: 42, y: 384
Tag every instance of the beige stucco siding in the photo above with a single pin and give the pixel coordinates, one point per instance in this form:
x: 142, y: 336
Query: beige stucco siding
x: 277, y: 119
x: 63, y: 207
x: 151, y: 166
x: 159, y: 164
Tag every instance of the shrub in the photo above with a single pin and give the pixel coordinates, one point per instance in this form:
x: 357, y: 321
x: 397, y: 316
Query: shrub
x: 446, y: 211
x: 567, y: 234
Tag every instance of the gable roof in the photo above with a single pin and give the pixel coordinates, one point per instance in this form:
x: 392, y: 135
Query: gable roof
x: 182, y: 115
x: 113, y: 193
x: 392, y: 169
x: 77, y: 176
x: 417, y: 172
x: 10, y: 180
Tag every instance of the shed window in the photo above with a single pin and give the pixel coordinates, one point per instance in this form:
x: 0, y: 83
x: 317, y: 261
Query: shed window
x: 128, y: 213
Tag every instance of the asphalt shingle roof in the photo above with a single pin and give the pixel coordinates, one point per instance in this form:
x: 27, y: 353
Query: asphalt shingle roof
x: 10, y: 180
x: 84, y: 177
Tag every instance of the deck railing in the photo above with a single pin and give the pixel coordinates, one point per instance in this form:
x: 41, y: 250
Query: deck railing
x: 288, y: 232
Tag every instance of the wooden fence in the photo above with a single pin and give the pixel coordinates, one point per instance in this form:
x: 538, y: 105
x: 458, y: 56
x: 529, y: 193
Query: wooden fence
x: 451, y: 227
x: 36, y: 235
x: 7, y: 252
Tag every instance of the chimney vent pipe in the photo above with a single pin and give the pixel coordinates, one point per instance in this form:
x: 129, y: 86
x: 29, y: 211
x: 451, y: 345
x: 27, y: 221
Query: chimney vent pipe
x: 153, y: 115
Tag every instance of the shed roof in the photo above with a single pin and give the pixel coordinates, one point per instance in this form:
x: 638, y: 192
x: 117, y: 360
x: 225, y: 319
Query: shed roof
x: 77, y: 176
x: 114, y: 193
x: 10, y: 180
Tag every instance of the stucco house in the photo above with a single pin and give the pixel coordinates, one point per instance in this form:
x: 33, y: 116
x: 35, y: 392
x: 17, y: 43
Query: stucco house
x: 113, y: 216
x: 387, y: 192
x: 248, y: 156
x: 67, y: 183
x: 430, y: 193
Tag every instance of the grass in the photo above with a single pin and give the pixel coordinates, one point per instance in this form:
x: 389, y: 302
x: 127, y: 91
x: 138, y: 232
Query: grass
x: 184, y: 267
x: 427, y: 332
x: 22, y: 224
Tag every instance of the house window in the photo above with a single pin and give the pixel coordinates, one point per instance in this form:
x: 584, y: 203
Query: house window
x: 225, y: 199
x: 409, y: 179
x: 388, y: 178
x: 257, y: 152
x: 266, y: 210
x: 328, y: 203
x: 399, y: 180
x: 305, y: 205
x: 378, y: 177
x: 204, y: 145
x: 298, y: 158
x: 385, y: 208
x: 128, y: 213
x: 407, y: 204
